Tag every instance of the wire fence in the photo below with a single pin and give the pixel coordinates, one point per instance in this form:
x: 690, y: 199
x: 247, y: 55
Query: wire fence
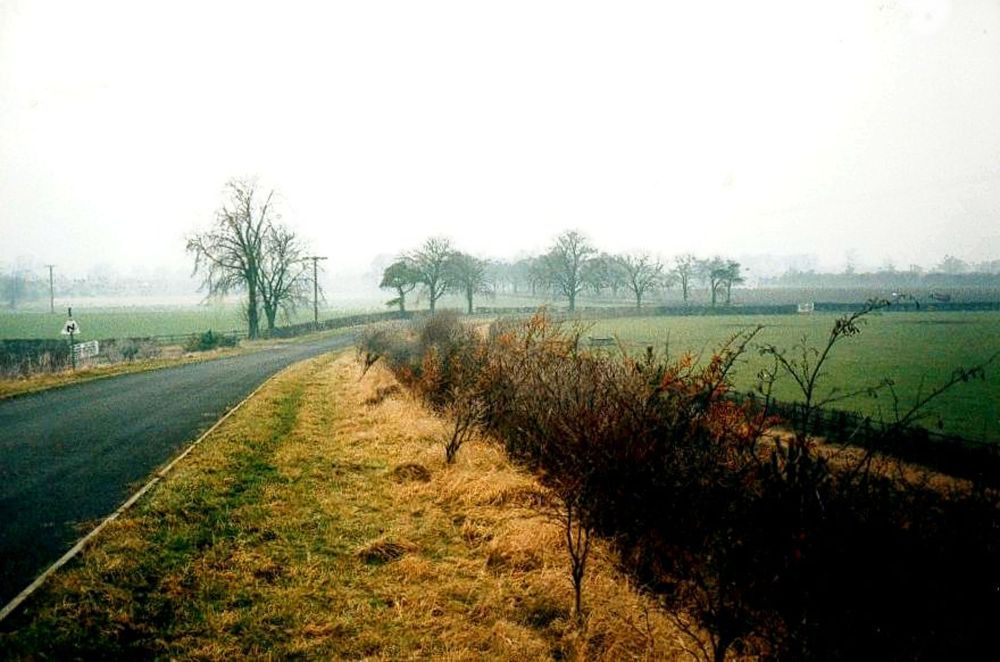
x: 694, y: 310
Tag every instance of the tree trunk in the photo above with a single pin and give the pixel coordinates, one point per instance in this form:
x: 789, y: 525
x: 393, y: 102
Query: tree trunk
x: 271, y: 313
x: 253, y: 316
x: 684, y: 289
x: 638, y: 300
x: 402, y: 299
x: 578, y: 595
x: 714, y: 287
x: 572, y: 301
x: 721, y: 646
x: 468, y: 297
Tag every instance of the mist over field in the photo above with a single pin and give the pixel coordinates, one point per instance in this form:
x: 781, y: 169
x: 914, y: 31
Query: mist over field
x: 300, y: 164
x: 807, y: 136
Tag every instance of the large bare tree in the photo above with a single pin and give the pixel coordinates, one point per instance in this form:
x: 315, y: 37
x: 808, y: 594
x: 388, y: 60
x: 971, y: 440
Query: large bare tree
x: 566, y: 262
x: 247, y: 251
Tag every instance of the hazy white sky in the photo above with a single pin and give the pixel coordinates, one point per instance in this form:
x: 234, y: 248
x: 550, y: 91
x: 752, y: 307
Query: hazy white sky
x: 714, y: 127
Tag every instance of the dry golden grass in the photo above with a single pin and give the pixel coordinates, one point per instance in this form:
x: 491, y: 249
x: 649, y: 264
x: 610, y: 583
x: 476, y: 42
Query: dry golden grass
x: 315, y: 525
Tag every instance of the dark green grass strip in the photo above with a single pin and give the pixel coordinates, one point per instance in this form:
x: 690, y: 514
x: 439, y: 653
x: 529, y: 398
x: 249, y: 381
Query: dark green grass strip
x: 132, y: 610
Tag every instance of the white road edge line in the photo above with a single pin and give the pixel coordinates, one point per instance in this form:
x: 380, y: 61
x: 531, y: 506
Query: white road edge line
x: 157, y: 477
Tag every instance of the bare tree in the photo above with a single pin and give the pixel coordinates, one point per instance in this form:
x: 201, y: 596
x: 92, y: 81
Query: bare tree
x: 730, y: 275
x: 429, y: 261
x: 538, y: 275
x: 565, y: 264
x: 642, y: 273
x: 685, y: 268
x: 402, y: 277
x: 577, y: 530
x: 713, y: 272
x: 466, y: 274
x: 247, y: 251
x: 284, y: 279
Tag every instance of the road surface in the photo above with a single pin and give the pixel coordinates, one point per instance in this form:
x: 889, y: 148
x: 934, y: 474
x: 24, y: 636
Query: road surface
x: 70, y: 456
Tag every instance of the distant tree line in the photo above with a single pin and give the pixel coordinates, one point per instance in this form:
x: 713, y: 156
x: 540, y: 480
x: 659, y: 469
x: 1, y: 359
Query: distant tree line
x: 950, y: 272
x: 571, y: 266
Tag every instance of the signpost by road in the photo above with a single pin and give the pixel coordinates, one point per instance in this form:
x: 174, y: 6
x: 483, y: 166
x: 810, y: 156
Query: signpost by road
x: 70, y: 328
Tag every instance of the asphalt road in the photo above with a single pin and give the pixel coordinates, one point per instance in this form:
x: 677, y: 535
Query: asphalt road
x: 70, y: 456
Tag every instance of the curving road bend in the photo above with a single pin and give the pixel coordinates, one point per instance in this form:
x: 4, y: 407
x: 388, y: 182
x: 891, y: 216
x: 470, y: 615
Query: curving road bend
x: 72, y: 455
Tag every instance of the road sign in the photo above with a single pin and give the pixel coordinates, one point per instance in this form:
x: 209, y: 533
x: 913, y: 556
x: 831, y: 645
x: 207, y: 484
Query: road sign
x: 87, y: 350
x: 70, y: 328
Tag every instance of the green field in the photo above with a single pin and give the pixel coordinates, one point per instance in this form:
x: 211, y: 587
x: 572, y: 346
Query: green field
x: 911, y: 348
x: 916, y: 350
x: 130, y: 322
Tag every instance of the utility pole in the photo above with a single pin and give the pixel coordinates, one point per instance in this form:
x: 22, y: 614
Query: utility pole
x: 71, y: 329
x: 52, y: 296
x: 315, y: 259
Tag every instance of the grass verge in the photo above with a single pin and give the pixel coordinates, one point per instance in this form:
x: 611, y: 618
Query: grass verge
x: 321, y: 521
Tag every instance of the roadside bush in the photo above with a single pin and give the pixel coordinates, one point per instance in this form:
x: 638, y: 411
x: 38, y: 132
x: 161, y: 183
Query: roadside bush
x: 441, y: 360
x: 20, y: 358
x: 209, y: 340
x: 766, y: 546
x: 129, y: 349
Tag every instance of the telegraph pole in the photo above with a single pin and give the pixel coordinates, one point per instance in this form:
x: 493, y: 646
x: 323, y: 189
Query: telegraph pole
x: 52, y: 296
x: 315, y: 259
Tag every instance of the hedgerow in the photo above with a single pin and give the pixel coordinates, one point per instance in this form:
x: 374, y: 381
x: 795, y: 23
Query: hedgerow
x: 757, y: 544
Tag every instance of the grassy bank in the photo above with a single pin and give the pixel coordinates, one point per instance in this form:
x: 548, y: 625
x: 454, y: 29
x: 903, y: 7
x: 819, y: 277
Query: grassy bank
x: 322, y: 521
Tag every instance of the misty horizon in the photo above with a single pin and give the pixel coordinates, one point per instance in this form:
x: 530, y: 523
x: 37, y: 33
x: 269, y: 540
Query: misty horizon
x: 820, y: 135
